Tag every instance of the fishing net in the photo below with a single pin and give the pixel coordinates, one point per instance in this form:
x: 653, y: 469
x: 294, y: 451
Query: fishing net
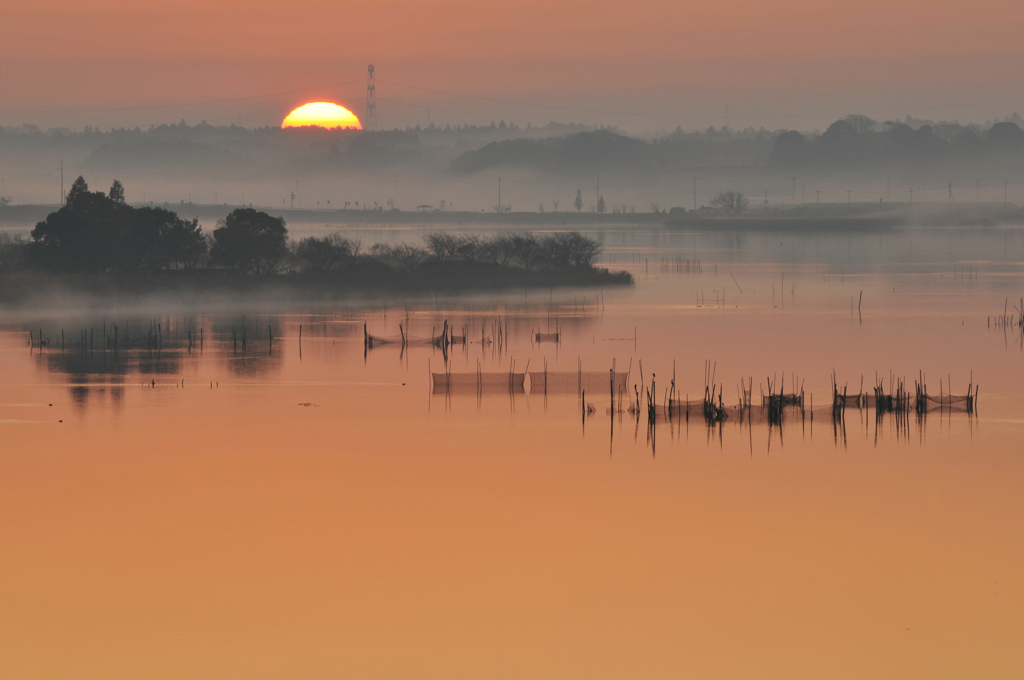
x: 574, y: 382
x: 468, y: 383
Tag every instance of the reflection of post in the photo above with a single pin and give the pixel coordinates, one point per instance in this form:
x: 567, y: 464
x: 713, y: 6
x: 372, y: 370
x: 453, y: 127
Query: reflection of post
x: 611, y: 411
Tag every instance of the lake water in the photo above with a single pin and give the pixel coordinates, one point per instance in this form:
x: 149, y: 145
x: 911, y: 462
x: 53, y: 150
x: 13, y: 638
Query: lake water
x: 316, y: 509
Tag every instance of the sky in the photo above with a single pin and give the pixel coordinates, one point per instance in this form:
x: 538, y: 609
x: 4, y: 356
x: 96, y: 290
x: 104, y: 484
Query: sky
x: 642, y: 66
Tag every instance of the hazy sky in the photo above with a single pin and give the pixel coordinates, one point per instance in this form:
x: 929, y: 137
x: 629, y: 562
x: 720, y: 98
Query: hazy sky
x: 641, y: 65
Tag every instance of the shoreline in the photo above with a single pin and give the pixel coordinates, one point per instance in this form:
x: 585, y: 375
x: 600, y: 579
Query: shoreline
x: 203, y: 286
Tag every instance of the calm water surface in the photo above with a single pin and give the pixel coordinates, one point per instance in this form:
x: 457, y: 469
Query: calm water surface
x: 283, y: 510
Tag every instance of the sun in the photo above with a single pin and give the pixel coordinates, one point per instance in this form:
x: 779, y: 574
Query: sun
x: 322, y: 114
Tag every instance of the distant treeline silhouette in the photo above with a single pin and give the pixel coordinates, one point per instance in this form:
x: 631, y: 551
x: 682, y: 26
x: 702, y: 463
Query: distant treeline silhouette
x: 97, y: 233
x: 860, y: 141
x: 184, y: 148
x: 853, y: 142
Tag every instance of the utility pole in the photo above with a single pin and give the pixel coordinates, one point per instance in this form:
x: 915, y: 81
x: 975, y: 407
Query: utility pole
x: 817, y: 197
x: 951, y: 193
x: 694, y: 193
x: 849, y: 197
x: 766, y: 199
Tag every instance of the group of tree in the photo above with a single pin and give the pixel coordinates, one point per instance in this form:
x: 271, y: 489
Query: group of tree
x: 568, y: 250
x: 95, y: 232
x: 858, y: 141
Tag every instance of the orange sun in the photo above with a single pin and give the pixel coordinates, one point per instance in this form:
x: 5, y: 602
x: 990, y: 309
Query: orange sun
x: 322, y: 114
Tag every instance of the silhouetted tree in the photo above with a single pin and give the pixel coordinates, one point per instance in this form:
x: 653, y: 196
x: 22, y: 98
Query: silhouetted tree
x: 789, y: 150
x: 442, y: 246
x: 570, y: 249
x: 578, y: 203
x: 117, y: 192
x: 861, y: 124
x: 601, y: 205
x: 89, y: 233
x: 13, y: 251
x: 184, y: 243
x: 250, y: 241
x: 1006, y: 136
x: 78, y: 189
x: 731, y: 202
x: 404, y: 255
x: 326, y: 252
x: 526, y: 250
x: 500, y: 249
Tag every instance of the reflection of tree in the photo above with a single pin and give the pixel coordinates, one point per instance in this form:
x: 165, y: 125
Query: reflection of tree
x: 111, y: 363
x: 245, y: 346
x: 254, y: 365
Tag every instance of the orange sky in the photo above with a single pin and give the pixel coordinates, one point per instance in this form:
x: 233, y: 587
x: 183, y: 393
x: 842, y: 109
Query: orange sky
x: 641, y: 65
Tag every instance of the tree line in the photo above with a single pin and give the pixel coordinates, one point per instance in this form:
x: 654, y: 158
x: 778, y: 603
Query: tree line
x: 859, y: 141
x: 94, y: 232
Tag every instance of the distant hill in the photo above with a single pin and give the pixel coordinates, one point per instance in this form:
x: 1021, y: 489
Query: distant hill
x: 583, y: 150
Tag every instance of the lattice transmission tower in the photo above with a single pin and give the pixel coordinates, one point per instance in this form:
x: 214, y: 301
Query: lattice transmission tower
x: 371, y: 99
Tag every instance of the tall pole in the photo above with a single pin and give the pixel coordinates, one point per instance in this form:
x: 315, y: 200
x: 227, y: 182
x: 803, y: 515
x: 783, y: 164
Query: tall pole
x: 371, y: 98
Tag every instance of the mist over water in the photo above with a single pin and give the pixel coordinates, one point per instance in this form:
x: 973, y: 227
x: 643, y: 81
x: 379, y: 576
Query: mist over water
x: 211, y: 465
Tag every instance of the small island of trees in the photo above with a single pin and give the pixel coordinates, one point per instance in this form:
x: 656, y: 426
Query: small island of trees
x: 98, y: 241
